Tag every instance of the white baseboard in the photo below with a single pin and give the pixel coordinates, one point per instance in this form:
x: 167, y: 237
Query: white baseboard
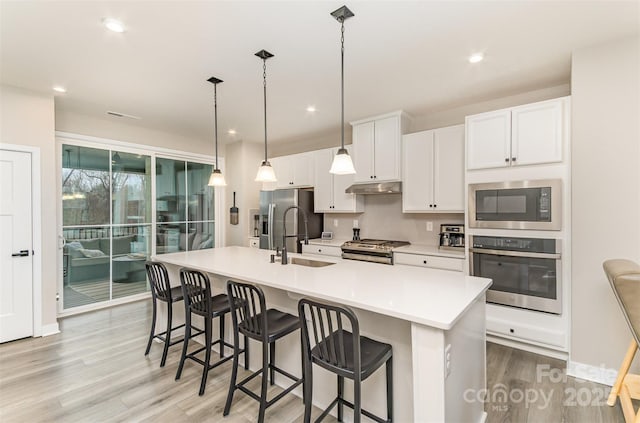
x: 591, y: 373
x: 51, y: 329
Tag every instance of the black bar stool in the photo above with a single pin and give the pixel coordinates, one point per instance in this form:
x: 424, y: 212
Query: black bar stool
x: 161, y: 291
x: 344, y: 353
x: 198, y: 300
x: 252, y: 318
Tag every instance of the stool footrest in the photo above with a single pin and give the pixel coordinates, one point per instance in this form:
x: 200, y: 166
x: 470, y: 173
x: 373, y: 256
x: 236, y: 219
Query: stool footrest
x: 296, y: 382
x: 343, y: 401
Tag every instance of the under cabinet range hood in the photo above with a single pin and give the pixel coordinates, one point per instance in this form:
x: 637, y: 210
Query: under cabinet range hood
x: 375, y: 188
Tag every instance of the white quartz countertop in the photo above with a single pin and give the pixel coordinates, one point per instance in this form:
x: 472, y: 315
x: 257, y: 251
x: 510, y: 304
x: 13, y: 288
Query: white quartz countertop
x: 432, y: 297
x: 430, y: 250
x: 336, y: 242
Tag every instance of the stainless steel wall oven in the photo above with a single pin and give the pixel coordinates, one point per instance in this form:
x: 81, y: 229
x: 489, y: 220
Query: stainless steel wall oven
x: 526, y: 272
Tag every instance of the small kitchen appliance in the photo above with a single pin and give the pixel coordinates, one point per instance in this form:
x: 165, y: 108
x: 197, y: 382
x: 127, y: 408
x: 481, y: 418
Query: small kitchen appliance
x: 452, y: 237
x: 375, y: 250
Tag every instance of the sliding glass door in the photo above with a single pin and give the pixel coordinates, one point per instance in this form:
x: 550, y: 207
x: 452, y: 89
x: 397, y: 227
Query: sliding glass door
x: 106, y: 224
x: 112, y: 224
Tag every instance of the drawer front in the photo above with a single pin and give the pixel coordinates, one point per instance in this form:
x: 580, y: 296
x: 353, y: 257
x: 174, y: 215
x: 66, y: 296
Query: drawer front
x: 435, y: 262
x: 325, y: 250
x: 511, y: 330
x: 254, y: 243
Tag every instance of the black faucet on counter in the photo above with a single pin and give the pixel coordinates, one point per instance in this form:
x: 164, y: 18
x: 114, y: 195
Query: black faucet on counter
x: 284, y: 259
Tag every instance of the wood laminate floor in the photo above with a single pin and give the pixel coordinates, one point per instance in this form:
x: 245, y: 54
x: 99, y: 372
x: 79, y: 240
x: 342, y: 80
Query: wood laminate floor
x: 95, y: 371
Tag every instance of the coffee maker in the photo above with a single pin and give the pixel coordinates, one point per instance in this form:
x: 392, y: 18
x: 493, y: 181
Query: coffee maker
x: 452, y: 237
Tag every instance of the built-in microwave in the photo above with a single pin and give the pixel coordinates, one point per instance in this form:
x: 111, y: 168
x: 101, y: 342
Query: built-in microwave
x: 535, y: 204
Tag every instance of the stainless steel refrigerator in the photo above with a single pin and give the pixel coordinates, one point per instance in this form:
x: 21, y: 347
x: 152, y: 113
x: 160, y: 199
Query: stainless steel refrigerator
x: 272, y: 207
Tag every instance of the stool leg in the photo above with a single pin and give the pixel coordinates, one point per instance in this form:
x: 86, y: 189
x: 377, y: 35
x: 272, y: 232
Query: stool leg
x: 234, y: 369
x: 357, y: 394
x: 185, y: 344
x: 340, y: 396
x: 167, y: 337
x: 246, y: 352
x: 389, y: 371
x: 207, y: 353
x: 153, y: 326
x: 307, y: 388
x: 222, y: 336
x: 272, y: 362
x: 265, y: 375
x: 624, y: 369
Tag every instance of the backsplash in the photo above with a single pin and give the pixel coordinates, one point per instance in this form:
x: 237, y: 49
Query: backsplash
x: 383, y: 218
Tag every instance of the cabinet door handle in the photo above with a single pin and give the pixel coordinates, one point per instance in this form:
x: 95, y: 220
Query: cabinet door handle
x: 430, y: 205
x: 371, y: 177
x: 319, y: 250
x: 506, y: 160
x: 513, y: 159
x: 424, y: 261
x: 22, y: 253
x: 435, y: 205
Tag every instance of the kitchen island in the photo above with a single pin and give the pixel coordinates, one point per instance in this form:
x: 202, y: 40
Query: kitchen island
x: 434, y: 319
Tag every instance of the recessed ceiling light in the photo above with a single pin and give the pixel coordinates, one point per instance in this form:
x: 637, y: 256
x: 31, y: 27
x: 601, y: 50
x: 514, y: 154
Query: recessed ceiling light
x: 231, y: 132
x: 476, y: 57
x: 59, y: 89
x: 311, y: 109
x: 113, y: 25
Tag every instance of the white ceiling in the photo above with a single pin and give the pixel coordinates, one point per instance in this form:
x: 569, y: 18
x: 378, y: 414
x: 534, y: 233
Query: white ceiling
x: 399, y: 55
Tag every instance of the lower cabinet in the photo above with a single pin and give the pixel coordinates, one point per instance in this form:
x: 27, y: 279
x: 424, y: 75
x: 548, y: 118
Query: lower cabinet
x: 325, y: 250
x: 434, y: 262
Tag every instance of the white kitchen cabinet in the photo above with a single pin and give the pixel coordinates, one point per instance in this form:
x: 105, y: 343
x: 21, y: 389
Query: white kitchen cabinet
x: 525, y: 135
x: 433, y: 171
x: 329, y: 195
x: 293, y: 171
x: 434, y: 262
x: 377, y: 147
x: 254, y: 242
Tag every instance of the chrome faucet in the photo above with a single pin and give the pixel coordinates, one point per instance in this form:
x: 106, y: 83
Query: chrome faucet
x: 284, y: 259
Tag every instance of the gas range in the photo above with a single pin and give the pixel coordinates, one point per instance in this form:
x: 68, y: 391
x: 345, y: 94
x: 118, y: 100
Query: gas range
x: 374, y: 250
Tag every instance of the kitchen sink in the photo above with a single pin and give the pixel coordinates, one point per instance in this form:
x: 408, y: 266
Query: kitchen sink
x: 310, y: 263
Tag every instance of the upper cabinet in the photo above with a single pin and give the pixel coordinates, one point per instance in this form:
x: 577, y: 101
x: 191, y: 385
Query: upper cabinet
x: 329, y: 195
x: 433, y: 171
x: 293, y: 171
x: 377, y: 147
x: 531, y: 134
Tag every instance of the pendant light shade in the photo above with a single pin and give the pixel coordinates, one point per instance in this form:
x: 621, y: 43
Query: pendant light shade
x: 342, y: 163
x: 265, y: 171
x: 216, y: 179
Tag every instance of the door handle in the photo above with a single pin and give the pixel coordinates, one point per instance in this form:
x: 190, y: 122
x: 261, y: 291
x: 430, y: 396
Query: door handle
x: 22, y: 253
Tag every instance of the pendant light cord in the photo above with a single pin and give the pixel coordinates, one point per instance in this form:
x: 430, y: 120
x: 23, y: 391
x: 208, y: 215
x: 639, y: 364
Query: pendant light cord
x: 264, y: 89
x: 342, y: 77
x: 215, y: 117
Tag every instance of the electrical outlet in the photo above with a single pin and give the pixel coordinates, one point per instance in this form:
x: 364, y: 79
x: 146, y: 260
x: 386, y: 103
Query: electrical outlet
x: 335, y: 223
x: 355, y: 223
x: 447, y: 361
x: 429, y: 226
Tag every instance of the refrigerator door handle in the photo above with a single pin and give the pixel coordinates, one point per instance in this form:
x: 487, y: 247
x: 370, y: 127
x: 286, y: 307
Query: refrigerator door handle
x: 272, y: 210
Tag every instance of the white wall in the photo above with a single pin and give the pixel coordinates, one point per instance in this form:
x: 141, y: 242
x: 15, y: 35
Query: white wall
x: 242, y: 161
x: 606, y: 192
x: 128, y: 130
x: 27, y: 118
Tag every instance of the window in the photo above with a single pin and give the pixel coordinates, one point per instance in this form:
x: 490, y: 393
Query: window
x: 184, y: 206
x: 111, y: 223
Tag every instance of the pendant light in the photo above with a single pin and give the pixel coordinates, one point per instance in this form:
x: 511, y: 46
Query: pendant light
x: 216, y: 179
x: 342, y: 164
x: 265, y: 171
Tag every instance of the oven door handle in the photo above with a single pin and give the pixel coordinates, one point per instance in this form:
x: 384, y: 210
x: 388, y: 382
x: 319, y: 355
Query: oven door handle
x: 554, y: 256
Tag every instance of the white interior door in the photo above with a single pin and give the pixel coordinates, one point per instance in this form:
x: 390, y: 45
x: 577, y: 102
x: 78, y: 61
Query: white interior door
x: 16, y: 261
